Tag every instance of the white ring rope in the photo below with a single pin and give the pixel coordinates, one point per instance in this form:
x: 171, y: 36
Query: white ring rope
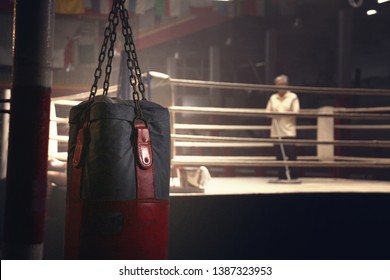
x: 300, y: 89
x: 262, y: 161
x: 263, y: 112
x: 203, y: 138
x: 183, y: 126
x: 356, y: 110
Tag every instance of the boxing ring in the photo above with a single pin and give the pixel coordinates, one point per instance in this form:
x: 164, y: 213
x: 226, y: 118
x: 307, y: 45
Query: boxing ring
x: 246, y: 217
x: 325, y: 116
x: 226, y: 145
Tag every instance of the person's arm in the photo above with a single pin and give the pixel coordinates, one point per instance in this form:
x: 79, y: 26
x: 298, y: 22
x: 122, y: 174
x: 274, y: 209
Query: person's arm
x: 269, y: 105
x: 269, y: 109
x: 295, y: 105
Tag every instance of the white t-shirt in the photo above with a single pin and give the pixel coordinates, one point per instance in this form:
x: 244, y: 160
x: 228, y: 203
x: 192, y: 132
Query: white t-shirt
x: 283, y: 126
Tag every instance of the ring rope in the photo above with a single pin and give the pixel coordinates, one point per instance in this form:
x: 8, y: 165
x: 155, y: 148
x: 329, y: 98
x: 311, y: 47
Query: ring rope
x: 362, y: 126
x: 366, y: 143
x: 262, y: 112
x: 355, y: 110
x: 183, y: 126
x: 232, y: 127
x: 261, y: 161
x: 300, y: 89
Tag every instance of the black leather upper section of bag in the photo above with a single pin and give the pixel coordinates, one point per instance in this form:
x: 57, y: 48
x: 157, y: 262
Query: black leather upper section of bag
x: 109, y: 164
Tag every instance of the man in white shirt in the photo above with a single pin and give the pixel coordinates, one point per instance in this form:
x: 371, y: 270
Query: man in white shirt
x: 284, y: 127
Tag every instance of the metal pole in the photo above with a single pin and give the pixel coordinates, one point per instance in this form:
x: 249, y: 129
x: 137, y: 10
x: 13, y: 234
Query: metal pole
x: 271, y: 55
x: 215, y: 75
x: 344, y: 48
x: 343, y: 74
x: 5, y: 95
x: 172, y: 69
x: 29, y: 129
x: 287, y: 170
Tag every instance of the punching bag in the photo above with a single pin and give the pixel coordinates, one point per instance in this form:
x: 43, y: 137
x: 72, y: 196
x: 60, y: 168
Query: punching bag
x: 118, y: 166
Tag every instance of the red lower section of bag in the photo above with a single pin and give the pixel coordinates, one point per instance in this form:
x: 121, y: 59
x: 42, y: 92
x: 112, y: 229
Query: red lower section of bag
x: 110, y: 230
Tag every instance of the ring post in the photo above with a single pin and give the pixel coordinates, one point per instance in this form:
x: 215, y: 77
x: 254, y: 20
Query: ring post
x: 29, y: 130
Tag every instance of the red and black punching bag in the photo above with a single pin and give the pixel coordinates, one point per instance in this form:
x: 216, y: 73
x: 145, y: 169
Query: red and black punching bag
x: 118, y: 169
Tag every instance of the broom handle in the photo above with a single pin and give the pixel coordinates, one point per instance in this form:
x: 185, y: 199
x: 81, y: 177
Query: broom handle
x: 282, y: 150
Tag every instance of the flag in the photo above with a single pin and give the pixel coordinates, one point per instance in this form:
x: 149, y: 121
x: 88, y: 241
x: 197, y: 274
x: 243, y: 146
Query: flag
x: 238, y: 8
x: 199, y: 3
x: 160, y: 8
x: 131, y: 5
x: 140, y: 7
x: 92, y: 6
x: 174, y: 8
x: 171, y: 8
x: 70, y: 7
x: 226, y: 8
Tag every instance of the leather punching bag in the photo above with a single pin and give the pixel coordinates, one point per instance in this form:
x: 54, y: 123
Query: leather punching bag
x: 118, y: 171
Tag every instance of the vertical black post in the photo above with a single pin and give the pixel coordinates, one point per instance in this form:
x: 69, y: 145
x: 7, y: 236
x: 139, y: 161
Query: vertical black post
x: 29, y: 129
x: 344, y: 48
x: 344, y: 77
x: 271, y: 55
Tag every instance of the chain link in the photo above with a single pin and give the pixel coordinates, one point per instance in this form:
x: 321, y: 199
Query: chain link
x: 111, y: 52
x: 103, y: 50
x: 135, y: 78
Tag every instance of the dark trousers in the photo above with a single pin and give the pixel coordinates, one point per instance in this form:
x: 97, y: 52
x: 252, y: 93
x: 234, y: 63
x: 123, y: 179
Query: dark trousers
x: 291, y: 154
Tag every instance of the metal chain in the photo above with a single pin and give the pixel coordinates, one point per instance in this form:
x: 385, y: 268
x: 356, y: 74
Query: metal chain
x: 132, y: 59
x: 111, y: 51
x: 102, y: 55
